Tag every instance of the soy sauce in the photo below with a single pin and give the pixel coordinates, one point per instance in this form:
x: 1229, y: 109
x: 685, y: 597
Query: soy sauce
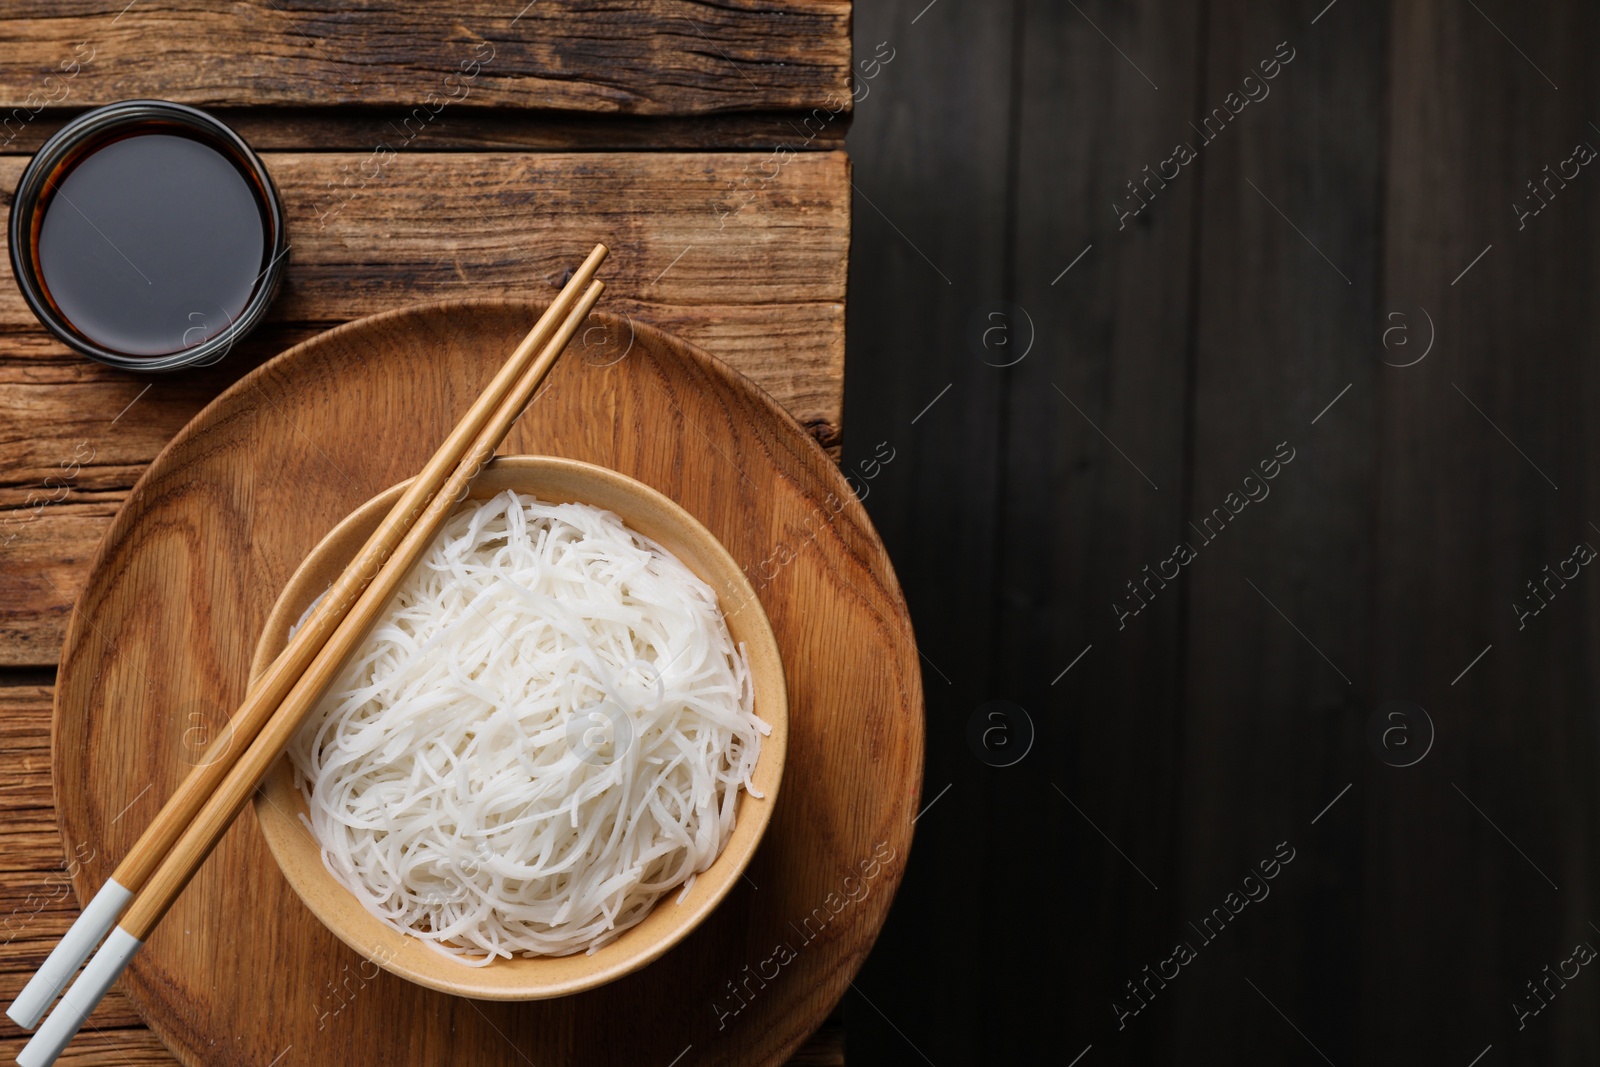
x: 151, y: 241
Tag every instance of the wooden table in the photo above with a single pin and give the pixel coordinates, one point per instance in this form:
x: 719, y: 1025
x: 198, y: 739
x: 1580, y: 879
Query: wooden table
x: 425, y: 153
x: 1184, y: 346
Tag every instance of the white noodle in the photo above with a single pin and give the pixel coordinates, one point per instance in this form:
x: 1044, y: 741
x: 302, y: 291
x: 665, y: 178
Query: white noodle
x: 455, y: 778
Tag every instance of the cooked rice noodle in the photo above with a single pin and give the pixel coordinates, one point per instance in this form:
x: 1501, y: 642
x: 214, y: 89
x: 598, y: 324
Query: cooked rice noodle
x: 546, y: 731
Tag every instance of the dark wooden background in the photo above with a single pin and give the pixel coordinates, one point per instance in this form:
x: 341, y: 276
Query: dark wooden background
x: 1251, y: 292
x: 1168, y: 358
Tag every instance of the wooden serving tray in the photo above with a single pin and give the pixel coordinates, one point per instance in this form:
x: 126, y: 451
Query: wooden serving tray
x: 158, y: 650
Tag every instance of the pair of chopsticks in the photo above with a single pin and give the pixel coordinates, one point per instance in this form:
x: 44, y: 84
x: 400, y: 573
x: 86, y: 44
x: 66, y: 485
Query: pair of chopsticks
x: 177, y: 842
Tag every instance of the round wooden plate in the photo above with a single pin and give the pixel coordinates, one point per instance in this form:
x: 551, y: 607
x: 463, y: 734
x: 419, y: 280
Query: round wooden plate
x: 157, y: 654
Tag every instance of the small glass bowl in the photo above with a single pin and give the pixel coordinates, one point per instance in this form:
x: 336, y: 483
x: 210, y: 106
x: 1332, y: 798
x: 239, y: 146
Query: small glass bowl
x: 90, y: 132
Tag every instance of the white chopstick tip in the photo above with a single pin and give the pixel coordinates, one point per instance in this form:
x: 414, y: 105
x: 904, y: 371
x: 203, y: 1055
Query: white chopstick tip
x: 80, y: 940
x: 81, y: 1000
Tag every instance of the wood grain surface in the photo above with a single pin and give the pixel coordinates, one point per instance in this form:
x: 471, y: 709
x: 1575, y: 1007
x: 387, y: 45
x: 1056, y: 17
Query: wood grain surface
x: 159, y: 650
x: 1245, y: 305
x: 761, y: 287
x: 651, y: 57
x: 615, y: 87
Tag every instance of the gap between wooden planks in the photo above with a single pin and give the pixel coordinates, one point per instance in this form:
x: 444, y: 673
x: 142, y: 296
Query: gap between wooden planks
x: 706, y: 245
x: 297, y: 129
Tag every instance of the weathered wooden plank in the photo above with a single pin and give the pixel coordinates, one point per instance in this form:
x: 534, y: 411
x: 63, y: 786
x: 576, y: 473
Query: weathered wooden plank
x: 99, y: 1045
x: 45, y: 565
x: 711, y: 231
x: 56, y: 408
x: 34, y: 903
x: 449, y: 225
x: 652, y: 57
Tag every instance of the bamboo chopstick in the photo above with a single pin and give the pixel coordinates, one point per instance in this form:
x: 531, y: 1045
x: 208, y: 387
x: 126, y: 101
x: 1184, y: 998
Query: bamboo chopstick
x: 131, y: 874
x: 202, y: 833
x: 428, y: 499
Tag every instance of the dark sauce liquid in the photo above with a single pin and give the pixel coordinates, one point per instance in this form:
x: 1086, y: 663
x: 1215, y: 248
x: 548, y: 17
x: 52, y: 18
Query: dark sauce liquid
x: 151, y: 243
